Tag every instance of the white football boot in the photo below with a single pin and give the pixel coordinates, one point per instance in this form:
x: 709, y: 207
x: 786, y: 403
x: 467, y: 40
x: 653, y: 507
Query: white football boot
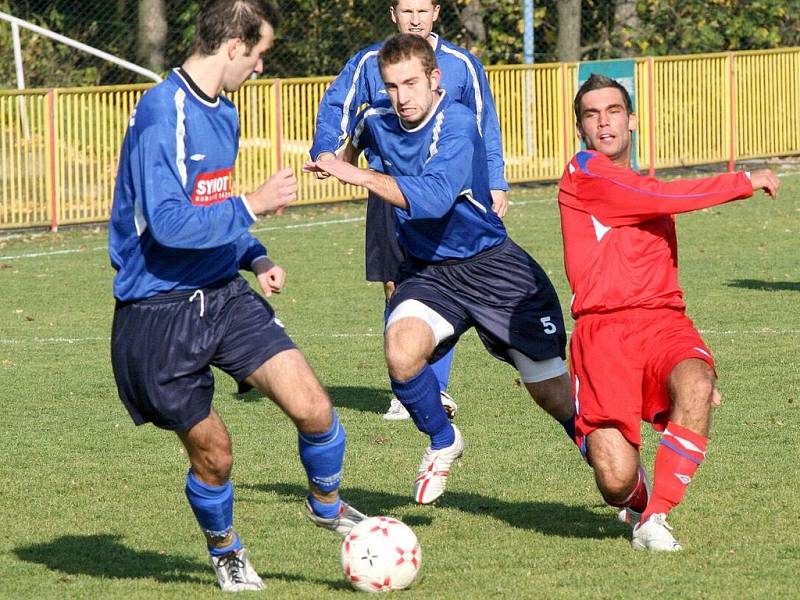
x: 655, y: 534
x: 235, y: 573
x: 435, y: 468
x: 342, y: 523
x: 398, y: 412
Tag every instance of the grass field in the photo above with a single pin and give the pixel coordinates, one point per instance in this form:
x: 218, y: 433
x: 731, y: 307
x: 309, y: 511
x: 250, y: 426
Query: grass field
x: 92, y: 507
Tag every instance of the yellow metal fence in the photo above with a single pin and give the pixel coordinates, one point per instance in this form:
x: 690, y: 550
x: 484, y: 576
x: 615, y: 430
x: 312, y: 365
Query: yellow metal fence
x: 59, y: 147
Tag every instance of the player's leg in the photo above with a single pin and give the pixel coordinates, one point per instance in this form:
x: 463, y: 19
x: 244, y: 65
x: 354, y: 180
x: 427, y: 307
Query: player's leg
x: 680, y: 391
x: 210, y: 494
x: 384, y: 255
x: 289, y: 381
x: 161, y: 350
x: 414, y: 331
x: 692, y: 389
x: 617, y: 472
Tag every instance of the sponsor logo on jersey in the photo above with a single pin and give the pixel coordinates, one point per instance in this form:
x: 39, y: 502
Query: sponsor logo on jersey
x: 213, y: 187
x: 197, y: 157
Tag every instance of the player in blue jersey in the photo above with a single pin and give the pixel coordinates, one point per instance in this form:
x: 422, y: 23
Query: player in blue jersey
x: 178, y: 238
x: 360, y: 83
x: 462, y: 269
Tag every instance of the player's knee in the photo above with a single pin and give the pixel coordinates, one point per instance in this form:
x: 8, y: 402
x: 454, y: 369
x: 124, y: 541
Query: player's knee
x: 314, y: 415
x: 615, y: 484
x: 214, y: 467
x: 404, y: 360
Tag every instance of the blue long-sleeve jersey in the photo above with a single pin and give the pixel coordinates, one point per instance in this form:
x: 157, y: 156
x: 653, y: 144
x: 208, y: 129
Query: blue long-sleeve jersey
x: 175, y: 224
x: 440, y: 167
x: 359, y: 83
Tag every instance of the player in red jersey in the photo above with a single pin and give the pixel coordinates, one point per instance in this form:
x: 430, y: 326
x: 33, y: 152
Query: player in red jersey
x: 635, y: 355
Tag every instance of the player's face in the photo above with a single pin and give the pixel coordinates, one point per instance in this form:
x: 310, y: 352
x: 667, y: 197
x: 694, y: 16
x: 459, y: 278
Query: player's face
x: 244, y: 62
x: 415, y: 16
x: 606, y: 125
x: 411, y: 91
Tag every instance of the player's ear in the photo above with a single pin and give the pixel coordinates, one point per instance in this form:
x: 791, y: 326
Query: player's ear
x: 436, y: 8
x: 435, y: 79
x: 633, y: 122
x: 391, y: 14
x: 579, y: 131
x: 232, y: 47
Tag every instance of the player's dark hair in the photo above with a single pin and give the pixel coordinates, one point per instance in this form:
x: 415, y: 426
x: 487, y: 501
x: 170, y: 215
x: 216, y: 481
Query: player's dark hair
x: 405, y: 46
x: 598, y: 82
x: 221, y: 20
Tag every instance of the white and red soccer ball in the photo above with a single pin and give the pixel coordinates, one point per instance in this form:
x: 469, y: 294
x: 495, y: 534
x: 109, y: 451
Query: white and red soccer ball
x: 381, y: 554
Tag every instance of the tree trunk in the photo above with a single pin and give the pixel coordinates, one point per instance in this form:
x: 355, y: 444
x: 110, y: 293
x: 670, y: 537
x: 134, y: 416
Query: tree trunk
x: 626, y: 23
x: 152, y: 34
x: 472, y: 19
x: 568, y: 47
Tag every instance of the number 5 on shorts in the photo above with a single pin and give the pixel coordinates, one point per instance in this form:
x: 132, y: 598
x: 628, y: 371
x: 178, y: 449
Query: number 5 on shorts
x: 549, y: 327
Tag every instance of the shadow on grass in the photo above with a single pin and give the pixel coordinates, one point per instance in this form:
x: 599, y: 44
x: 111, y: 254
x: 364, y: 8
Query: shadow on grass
x: 548, y: 518
x: 365, y: 399
x: 103, y: 555
x: 765, y: 286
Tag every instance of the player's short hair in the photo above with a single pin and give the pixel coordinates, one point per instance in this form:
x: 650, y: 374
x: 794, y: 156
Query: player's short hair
x: 405, y: 46
x: 394, y: 3
x: 598, y: 82
x: 220, y: 20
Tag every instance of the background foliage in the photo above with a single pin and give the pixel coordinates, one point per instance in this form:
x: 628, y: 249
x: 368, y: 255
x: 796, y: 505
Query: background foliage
x: 317, y: 36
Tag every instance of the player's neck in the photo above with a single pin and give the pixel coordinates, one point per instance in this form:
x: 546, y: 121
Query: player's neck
x: 205, y: 74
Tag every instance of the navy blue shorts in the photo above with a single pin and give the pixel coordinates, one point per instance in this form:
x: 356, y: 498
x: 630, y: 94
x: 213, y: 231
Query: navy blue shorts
x: 384, y: 255
x: 162, y: 349
x: 502, y: 292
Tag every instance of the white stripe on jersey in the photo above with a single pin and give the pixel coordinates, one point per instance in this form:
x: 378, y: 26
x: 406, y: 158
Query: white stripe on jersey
x: 437, y: 130
x: 368, y: 113
x: 180, y: 135
x: 475, y: 83
x: 468, y: 195
x: 348, y: 100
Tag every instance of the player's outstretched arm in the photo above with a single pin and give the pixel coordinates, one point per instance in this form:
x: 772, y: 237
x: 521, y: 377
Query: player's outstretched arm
x: 765, y: 179
x: 377, y: 183
x: 274, y: 194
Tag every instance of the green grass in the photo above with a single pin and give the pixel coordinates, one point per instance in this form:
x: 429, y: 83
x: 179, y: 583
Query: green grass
x: 92, y: 507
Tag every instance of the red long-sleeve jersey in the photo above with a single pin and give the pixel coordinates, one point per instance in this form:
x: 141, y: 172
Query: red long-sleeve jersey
x: 620, y: 247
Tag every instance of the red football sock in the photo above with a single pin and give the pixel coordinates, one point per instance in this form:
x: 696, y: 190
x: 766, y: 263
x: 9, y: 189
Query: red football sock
x: 678, y: 456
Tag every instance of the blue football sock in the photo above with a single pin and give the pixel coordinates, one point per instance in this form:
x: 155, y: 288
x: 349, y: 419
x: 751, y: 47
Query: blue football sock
x: 212, y: 505
x: 236, y: 544
x: 420, y: 396
x: 322, y: 455
x: 322, y: 509
x: 442, y: 367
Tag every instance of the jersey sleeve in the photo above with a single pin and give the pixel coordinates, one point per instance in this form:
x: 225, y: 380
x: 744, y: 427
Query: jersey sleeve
x: 489, y: 126
x: 167, y: 208
x: 248, y: 249
x: 340, y: 104
x: 359, y: 133
x: 619, y: 196
x: 445, y: 176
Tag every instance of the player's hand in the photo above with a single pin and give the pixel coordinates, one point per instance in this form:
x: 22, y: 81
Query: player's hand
x: 270, y: 277
x: 324, y: 156
x: 766, y: 180
x: 716, y: 398
x: 274, y: 194
x: 344, y: 172
x: 500, y: 202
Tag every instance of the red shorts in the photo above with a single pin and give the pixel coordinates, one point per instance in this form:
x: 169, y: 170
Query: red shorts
x: 620, y: 368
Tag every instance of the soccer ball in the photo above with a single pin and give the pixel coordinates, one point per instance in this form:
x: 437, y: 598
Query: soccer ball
x: 380, y: 554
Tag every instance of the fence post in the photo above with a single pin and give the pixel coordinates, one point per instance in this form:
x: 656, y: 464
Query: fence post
x: 51, y: 158
x: 278, y: 116
x: 564, y: 114
x: 651, y: 116
x: 732, y: 100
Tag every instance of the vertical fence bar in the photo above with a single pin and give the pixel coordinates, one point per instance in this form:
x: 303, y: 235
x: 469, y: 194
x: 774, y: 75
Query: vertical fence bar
x: 278, y: 112
x: 651, y: 120
x: 564, y: 117
x: 732, y: 114
x: 51, y: 158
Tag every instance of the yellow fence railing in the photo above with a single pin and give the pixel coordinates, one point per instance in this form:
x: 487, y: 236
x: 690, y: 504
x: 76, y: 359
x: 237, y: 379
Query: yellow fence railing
x: 59, y: 147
